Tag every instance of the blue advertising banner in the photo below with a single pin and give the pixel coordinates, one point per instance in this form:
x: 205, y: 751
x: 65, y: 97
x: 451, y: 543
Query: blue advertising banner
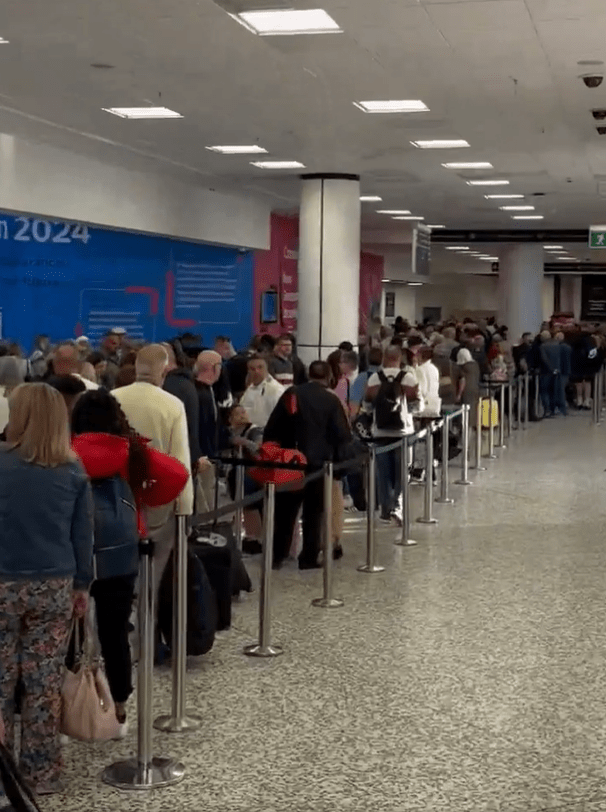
x: 70, y: 279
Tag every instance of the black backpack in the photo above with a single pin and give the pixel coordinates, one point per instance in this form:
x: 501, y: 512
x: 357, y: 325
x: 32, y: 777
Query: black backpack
x: 388, y: 403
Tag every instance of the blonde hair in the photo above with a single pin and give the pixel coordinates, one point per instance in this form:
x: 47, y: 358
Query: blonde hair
x: 38, y: 425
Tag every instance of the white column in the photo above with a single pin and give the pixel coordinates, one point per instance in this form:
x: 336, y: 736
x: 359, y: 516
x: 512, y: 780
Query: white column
x: 329, y: 264
x: 521, y: 288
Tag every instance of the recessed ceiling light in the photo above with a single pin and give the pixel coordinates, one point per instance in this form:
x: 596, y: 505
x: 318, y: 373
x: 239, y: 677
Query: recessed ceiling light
x: 504, y: 197
x: 142, y: 112
x: 236, y: 150
x: 565, y: 259
x: 393, y: 211
x: 278, y: 164
x: 409, y: 217
x: 410, y: 106
x: 385, y: 280
x: 458, y: 248
x: 517, y: 208
x: 528, y: 217
x: 490, y: 259
x: 488, y: 183
x: 288, y: 22
x: 3, y: 41
x: 554, y: 247
x: 469, y: 165
x: 441, y: 144
x: 371, y: 199
x: 415, y: 284
x: 434, y: 226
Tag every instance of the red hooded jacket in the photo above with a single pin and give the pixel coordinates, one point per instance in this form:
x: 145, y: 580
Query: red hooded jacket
x: 105, y: 455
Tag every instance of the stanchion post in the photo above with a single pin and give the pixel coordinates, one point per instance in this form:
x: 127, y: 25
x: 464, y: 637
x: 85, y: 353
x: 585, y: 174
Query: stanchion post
x: 427, y: 517
x: 327, y: 601
x: 465, y: 453
x: 501, y: 443
x: 478, y: 466
x: 145, y: 771
x: 526, y: 399
x: 537, y: 394
x: 370, y: 565
x: 518, y: 385
x: 404, y: 539
x: 240, y: 473
x: 444, y: 498
x: 179, y: 721
x: 264, y: 648
x: 510, y: 408
x: 491, y: 455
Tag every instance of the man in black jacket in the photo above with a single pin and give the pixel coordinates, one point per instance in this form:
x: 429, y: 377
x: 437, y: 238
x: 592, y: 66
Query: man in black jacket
x: 310, y: 418
x: 179, y: 382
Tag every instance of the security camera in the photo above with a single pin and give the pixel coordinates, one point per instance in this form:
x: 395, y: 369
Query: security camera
x: 592, y: 80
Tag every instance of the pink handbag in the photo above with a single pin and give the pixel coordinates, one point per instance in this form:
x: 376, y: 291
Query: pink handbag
x: 88, y: 711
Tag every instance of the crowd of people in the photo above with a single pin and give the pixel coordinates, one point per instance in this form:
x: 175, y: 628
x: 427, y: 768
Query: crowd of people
x: 148, y: 429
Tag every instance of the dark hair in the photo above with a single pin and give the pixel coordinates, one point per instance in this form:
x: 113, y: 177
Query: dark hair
x: 397, y: 341
x: 95, y: 358
x: 346, y: 345
x: 126, y: 375
x: 67, y: 384
x: 98, y: 411
x: 256, y: 357
x: 375, y: 356
x: 319, y: 371
x: 129, y: 359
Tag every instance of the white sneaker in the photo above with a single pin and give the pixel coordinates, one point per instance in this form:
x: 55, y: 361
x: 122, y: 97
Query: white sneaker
x: 347, y: 502
x: 122, y: 732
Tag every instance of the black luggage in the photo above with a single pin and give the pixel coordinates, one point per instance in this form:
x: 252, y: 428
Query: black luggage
x: 202, y: 620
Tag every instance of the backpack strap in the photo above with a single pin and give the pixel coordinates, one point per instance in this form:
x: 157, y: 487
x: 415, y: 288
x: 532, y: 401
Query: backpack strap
x: 382, y: 376
x: 399, y: 377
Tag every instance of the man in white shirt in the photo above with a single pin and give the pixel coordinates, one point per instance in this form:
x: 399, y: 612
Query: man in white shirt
x: 389, y: 478
x: 66, y: 361
x: 429, y: 382
x: 160, y: 417
x: 262, y: 394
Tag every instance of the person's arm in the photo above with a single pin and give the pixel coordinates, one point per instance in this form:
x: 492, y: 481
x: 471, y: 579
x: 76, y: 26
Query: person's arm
x: 277, y: 425
x: 178, y: 448
x: 82, y: 534
x: 192, y: 412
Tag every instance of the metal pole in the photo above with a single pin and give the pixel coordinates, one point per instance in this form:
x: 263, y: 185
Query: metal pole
x: 264, y: 647
x: 404, y: 540
x: 327, y: 601
x: 444, y: 498
x: 537, y: 400
x: 501, y: 443
x: 510, y: 409
x: 240, y: 472
x: 478, y: 466
x: 144, y: 771
x: 465, y: 453
x: 427, y: 517
x: 526, y: 399
x: 370, y: 565
x: 491, y: 455
x: 179, y: 720
x: 518, y: 385
x: 596, y: 399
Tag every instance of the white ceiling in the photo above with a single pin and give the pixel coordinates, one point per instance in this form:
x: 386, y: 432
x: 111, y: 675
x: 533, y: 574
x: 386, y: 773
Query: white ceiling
x: 502, y: 74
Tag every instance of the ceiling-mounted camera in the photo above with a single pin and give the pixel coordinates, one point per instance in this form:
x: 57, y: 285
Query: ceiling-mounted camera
x: 592, y: 80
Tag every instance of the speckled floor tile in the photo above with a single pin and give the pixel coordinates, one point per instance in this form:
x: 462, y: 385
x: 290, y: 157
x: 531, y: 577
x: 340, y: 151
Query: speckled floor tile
x: 469, y: 676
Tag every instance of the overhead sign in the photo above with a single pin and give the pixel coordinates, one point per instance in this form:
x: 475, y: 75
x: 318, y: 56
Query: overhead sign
x: 597, y: 236
x: 421, y: 250
x: 593, y: 298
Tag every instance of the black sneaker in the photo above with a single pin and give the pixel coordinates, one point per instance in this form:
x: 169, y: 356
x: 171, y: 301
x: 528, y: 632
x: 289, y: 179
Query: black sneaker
x: 251, y: 546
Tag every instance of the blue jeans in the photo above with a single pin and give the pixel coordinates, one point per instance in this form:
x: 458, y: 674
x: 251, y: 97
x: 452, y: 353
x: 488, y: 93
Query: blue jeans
x: 389, y: 479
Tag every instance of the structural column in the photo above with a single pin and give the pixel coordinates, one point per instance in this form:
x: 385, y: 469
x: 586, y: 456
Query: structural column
x: 521, y: 288
x: 329, y: 263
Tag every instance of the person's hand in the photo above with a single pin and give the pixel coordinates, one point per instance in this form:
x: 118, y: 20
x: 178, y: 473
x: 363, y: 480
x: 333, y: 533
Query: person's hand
x: 204, y: 464
x: 80, y: 603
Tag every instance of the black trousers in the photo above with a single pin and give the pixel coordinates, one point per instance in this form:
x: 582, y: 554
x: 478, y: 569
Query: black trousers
x: 114, y: 600
x: 287, y: 509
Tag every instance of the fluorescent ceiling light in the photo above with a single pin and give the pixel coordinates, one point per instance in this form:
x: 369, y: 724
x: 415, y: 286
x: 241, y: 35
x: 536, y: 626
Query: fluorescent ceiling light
x: 278, y: 164
x: 554, y: 247
x: 415, y: 284
x: 142, y: 112
x: 288, y: 22
x: 469, y: 165
x: 235, y: 150
x: 409, y: 217
x: 504, y: 197
x: 385, y: 280
x: 441, y: 144
x: 410, y: 106
x: 516, y: 208
x: 434, y: 226
x: 458, y: 248
x: 3, y: 41
x: 528, y: 217
x: 488, y: 183
x: 371, y: 199
x: 393, y: 211
x: 565, y: 259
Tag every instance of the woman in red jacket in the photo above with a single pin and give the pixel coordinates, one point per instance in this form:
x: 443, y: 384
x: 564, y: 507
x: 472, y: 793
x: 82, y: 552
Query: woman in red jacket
x: 111, y: 451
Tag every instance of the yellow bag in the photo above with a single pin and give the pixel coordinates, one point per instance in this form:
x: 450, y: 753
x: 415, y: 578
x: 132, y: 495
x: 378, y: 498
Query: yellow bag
x: 490, y: 413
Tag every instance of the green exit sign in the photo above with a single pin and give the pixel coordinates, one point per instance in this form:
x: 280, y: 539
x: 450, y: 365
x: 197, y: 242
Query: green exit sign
x: 597, y: 236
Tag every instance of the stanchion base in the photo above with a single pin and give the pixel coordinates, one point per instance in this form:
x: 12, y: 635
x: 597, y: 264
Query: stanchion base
x: 131, y: 774
x: 327, y: 603
x: 371, y: 568
x: 463, y: 482
x: 427, y: 521
x: 169, y: 724
x: 444, y: 501
x: 491, y: 457
x: 257, y: 650
x: 501, y: 446
x: 406, y: 543
x: 479, y: 468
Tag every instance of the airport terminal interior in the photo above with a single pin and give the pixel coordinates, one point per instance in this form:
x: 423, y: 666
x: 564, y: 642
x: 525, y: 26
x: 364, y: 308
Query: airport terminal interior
x: 211, y: 213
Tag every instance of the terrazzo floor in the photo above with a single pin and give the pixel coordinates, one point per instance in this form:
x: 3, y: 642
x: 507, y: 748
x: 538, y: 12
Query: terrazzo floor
x: 470, y: 675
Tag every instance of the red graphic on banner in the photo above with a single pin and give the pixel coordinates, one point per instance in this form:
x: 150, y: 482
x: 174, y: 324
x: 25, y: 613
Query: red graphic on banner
x: 154, y: 297
x: 78, y: 331
x: 169, y: 305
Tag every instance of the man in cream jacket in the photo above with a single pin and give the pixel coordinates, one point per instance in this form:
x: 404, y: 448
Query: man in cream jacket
x: 160, y: 417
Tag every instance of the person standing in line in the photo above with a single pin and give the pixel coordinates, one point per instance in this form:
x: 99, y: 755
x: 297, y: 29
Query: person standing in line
x: 467, y: 381
x: 549, y: 382
x: 280, y: 364
x: 207, y: 370
x: 263, y: 392
x: 66, y: 361
x: 299, y: 369
x: 565, y: 371
x: 179, y: 381
x: 159, y: 417
x: 46, y: 567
